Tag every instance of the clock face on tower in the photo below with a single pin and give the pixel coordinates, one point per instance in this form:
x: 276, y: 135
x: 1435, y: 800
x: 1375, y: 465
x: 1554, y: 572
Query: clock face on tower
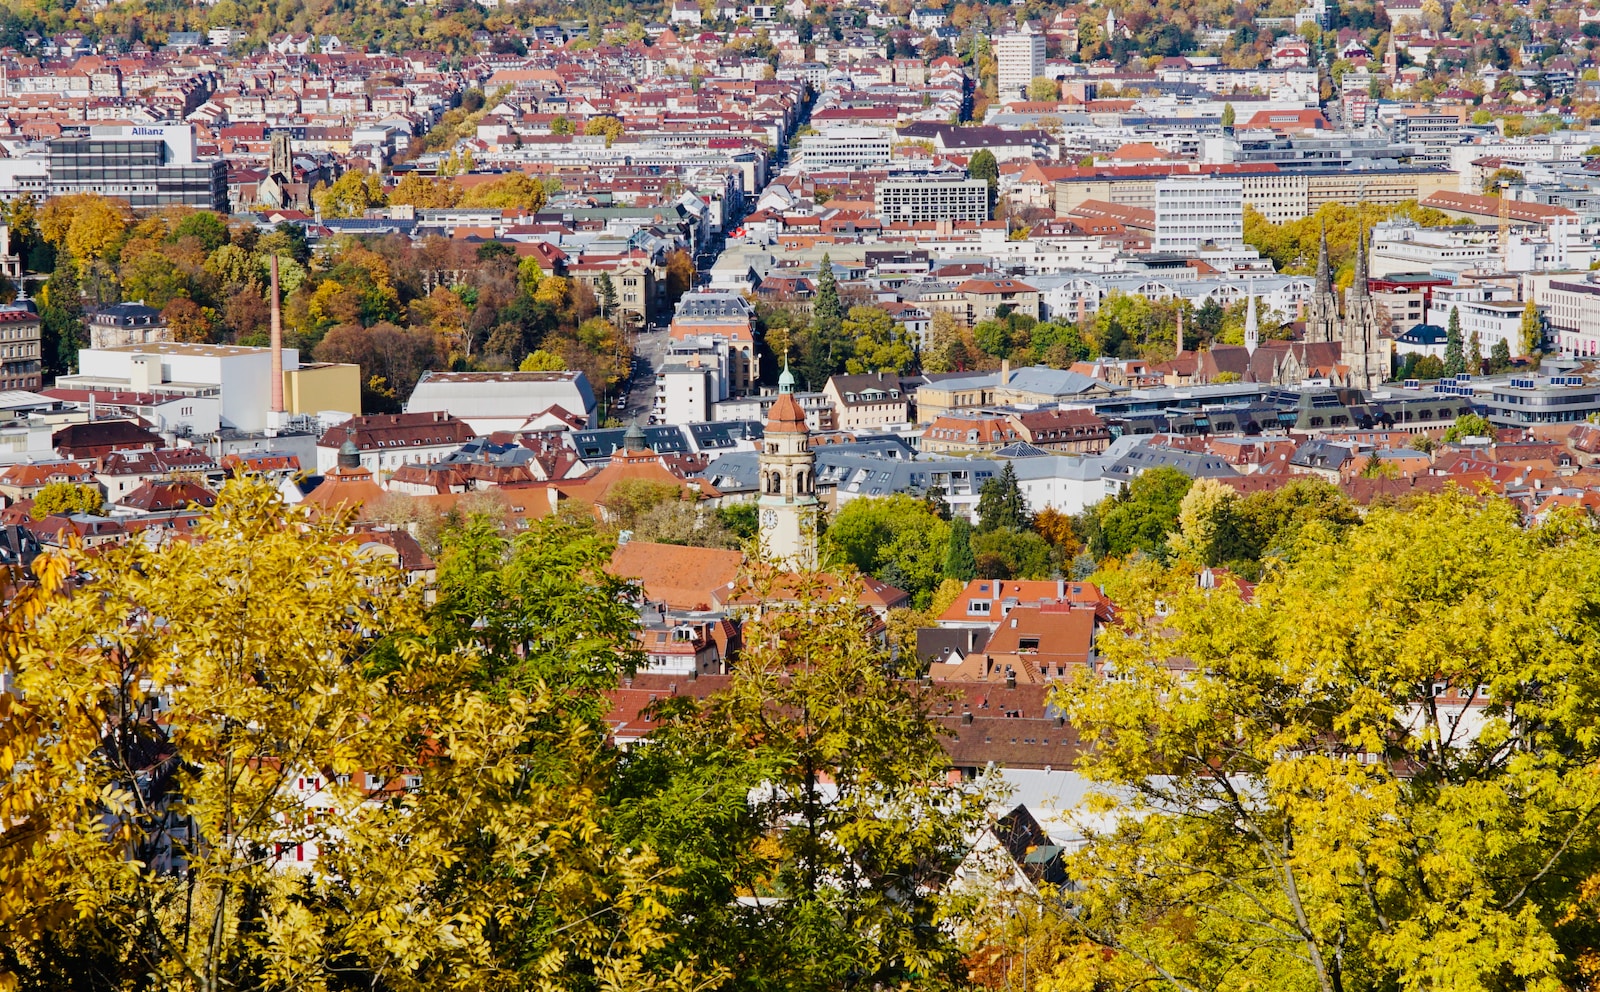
x: 769, y: 518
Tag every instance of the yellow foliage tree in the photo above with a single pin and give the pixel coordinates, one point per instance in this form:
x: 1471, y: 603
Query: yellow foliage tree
x: 86, y: 225
x: 552, y: 291
x: 606, y: 125
x: 245, y: 760
x: 351, y: 195
x: 1378, y: 770
x: 515, y: 191
x: 542, y: 361
x: 417, y: 190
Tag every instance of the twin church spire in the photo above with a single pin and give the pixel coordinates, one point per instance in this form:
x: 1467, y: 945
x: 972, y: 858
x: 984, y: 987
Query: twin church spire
x: 1355, y: 326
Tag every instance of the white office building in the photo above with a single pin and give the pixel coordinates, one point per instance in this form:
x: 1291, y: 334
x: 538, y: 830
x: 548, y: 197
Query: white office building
x: 845, y: 148
x: 1572, y: 307
x: 1019, y: 58
x: 919, y: 198
x: 1492, y: 312
x: 1192, y: 213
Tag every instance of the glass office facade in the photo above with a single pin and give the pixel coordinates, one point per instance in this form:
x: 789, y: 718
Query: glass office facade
x: 135, y: 170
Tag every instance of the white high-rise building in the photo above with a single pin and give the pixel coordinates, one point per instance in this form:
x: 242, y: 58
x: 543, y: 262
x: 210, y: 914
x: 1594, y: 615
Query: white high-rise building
x: 1194, y: 213
x: 1019, y: 58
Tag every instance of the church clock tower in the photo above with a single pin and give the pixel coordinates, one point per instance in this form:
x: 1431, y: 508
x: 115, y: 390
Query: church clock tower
x: 788, y: 506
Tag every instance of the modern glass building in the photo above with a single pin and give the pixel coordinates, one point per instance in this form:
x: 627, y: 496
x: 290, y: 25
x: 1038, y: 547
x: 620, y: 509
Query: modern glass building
x: 146, y: 166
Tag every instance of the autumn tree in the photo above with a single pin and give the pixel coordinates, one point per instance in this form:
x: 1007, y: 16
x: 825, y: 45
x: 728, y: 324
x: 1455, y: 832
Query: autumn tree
x: 66, y: 497
x: 351, y: 195
x: 1043, y: 89
x: 417, y: 190
x: 681, y: 275
x: 88, y: 228
x: 808, y: 810
x: 1376, y: 766
x: 513, y: 191
x: 252, y: 758
x: 1057, y: 529
x: 1532, y: 329
x: 542, y: 361
x: 606, y: 126
x: 189, y: 321
x: 629, y: 499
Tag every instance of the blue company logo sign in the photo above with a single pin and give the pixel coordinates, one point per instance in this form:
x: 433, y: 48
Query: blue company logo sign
x: 153, y: 132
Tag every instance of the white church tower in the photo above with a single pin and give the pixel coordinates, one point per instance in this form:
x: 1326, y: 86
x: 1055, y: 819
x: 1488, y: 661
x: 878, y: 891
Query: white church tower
x: 788, y: 507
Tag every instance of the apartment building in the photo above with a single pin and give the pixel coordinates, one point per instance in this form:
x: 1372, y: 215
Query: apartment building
x: 1019, y: 59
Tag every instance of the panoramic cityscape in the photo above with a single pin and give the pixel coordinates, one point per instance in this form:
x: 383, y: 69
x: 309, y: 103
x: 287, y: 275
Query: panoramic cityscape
x: 674, y: 497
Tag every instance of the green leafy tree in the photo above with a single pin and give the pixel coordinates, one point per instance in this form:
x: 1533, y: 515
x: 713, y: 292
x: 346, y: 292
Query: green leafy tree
x: 61, y: 318
x: 1499, y: 356
x: 826, y: 314
x: 1059, y: 345
x: 205, y: 227
x: 896, y: 539
x: 1005, y: 553
x: 739, y: 519
x: 1475, y: 353
x: 983, y: 166
x: 878, y: 342
x: 1140, y: 518
x: 1271, y: 523
x: 1468, y: 425
x: 1001, y: 503
x: 959, y: 562
x: 1229, y: 115
x: 606, y: 293
x: 1455, y: 358
x: 1305, y: 804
